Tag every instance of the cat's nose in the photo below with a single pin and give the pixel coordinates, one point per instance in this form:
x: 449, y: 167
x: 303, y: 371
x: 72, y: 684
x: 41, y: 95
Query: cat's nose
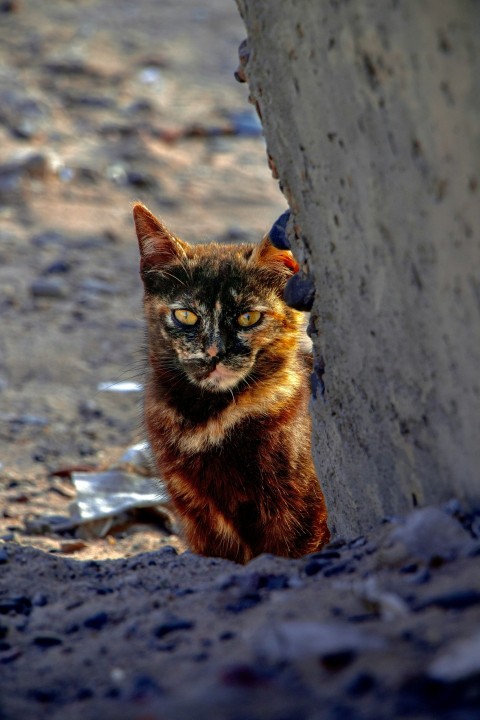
x: 216, y: 348
x: 212, y: 350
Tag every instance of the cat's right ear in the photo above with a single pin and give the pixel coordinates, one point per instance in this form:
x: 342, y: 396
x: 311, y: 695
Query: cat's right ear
x: 158, y: 247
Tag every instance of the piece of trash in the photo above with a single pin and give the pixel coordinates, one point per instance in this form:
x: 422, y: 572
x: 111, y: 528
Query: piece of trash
x: 124, y: 386
x: 137, y: 459
x: 104, y: 494
x: 105, y: 499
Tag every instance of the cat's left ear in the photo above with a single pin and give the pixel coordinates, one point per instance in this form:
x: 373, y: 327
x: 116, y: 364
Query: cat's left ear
x: 271, y: 257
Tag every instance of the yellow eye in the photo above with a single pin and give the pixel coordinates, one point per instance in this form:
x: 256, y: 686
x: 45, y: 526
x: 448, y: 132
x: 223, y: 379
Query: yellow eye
x: 186, y: 317
x: 249, y: 318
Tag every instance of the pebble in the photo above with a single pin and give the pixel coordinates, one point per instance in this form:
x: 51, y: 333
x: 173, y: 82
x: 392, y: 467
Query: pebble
x: 313, y: 567
x: 295, y: 639
x: 50, y: 237
x: 19, y: 604
x: 455, y: 600
x: 172, y: 625
x: 458, y: 662
x: 96, y: 286
x: 59, y: 266
x: 427, y: 534
x: 96, y: 621
x: 361, y: 684
x: 39, y: 600
x: 47, y: 640
x: 48, y: 288
x: 244, y: 602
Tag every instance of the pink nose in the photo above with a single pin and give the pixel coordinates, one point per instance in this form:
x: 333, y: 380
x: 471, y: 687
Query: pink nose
x: 212, y: 350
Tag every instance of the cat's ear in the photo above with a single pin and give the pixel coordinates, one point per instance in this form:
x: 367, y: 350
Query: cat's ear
x: 271, y: 257
x: 157, y: 245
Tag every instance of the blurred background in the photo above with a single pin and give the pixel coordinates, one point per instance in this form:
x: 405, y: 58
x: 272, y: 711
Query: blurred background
x: 102, y: 103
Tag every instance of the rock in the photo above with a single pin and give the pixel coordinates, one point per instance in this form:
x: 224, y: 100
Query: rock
x: 18, y: 605
x: 49, y: 237
x: 313, y: 567
x: 454, y: 600
x: 458, y: 662
x: 44, y: 287
x: 98, y: 287
x: 172, y: 625
x: 291, y: 640
x: 57, y: 267
x: 428, y: 534
x: 47, y: 640
x: 96, y: 621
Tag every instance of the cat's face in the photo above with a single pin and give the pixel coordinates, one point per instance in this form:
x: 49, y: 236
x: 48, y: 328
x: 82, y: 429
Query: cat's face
x: 215, y: 313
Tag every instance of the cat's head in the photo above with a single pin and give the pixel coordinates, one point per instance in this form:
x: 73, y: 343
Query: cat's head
x: 215, y: 313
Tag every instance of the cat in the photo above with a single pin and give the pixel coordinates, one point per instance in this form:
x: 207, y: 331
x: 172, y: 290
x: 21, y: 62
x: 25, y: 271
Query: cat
x: 226, y: 395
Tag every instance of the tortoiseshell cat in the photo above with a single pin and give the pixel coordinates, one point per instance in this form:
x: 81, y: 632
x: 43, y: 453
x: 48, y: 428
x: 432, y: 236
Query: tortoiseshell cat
x: 226, y: 398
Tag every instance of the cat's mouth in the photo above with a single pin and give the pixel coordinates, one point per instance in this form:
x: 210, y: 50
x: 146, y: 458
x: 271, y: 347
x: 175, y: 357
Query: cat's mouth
x: 220, y: 377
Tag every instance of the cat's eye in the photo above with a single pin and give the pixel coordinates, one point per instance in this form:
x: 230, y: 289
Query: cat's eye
x: 249, y: 318
x: 186, y: 317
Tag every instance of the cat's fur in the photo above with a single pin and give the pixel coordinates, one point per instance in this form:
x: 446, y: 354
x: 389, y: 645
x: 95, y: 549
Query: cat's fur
x: 226, y: 406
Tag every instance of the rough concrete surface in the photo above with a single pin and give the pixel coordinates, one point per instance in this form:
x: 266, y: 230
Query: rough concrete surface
x: 370, y: 112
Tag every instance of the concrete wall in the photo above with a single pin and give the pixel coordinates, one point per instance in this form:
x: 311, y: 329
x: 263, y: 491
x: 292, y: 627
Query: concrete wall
x: 371, y: 112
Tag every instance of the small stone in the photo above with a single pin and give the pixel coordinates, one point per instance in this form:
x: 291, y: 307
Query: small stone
x: 244, y: 602
x: 428, y: 534
x: 97, y: 621
x: 48, y: 288
x: 47, y: 640
x: 172, y: 625
x: 39, y: 600
x: 50, y: 237
x: 18, y: 604
x: 336, y: 569
x: 98, y: 287
x: 455, y: 600
x: 295, y: 639
x: 59, y: 266
x: 144, y: 687
x: 245, y: 676
x: 274, y: 582
x: 3, y: 556
x: 313, y: 567
x: 360, y: 684
x: 458, y: 662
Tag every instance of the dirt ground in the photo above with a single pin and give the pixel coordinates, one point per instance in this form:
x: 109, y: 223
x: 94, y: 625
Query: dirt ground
x: 101, y: 103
